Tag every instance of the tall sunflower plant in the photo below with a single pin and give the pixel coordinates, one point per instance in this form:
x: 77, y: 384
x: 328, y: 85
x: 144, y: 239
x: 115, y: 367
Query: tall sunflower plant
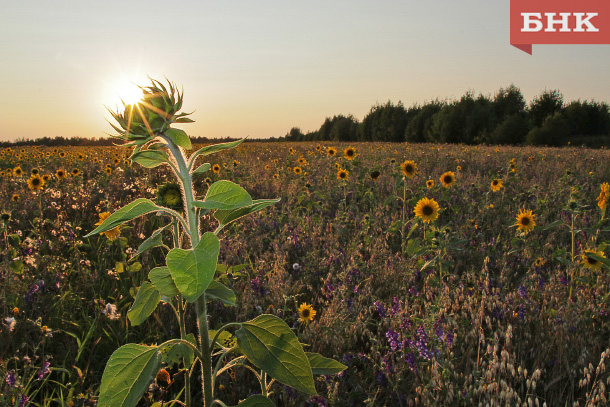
x: 266, y: 345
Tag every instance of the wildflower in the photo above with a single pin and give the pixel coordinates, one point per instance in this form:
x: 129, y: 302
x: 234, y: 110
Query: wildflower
x: 17, y: 171
x: 409, y: 168
x: 44, y: 370
x: 163, y: 376
x: 75, y: 172
x: 604, y: 195
x: 170, y: 195
x: 427, y: 210
x: 349, y: 153
x: 46, y: 177
x: 61, y: 174
x: 331, y: 152
x: 343, y: 174
x: 447, y: 179
x: 430, y: 183
x: 496, y: 185
x: 111, y: 234
x: 296, y: 266
x: 110, y: 312
x: 11, y: 379
x: 374, y: 174
x: 267, y: 167
x: 306, y: 313
x: 525, y: 221
x: 15, y: 311
x: 10, y: 322
x: 216, y: 168
x: 303, y: 161
x: 590, y: 262
x: 297, y: 170
x: 459, y: 168
x: 35, y: 183
x: 23, y: 400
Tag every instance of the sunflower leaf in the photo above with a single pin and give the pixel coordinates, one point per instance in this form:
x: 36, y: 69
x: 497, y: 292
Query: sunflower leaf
x: 214, y: 148
x: 150, y: 158
x: 224, y: 217
x: 146, y: 301
x: 326, y: 366
x: 224, y: 195
x: 131, y: 211
x: 179, y: 137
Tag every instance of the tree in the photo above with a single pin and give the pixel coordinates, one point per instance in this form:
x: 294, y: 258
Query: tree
x: 553, y: 132
x: 508, y: 102
x: 545, y: 105
x: 385, y: 123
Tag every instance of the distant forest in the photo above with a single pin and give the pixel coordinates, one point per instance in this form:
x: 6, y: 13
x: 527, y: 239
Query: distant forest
x: 84, y: 141
x: 505, y: 118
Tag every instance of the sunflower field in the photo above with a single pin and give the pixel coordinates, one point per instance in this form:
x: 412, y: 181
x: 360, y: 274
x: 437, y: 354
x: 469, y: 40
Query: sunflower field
x: 440, y: 275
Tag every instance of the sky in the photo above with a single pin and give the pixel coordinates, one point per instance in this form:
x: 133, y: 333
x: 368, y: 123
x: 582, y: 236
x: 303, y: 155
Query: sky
x: 258, y: 68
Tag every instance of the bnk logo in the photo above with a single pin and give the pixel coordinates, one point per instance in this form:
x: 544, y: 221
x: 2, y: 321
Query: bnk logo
x: 559, y: 22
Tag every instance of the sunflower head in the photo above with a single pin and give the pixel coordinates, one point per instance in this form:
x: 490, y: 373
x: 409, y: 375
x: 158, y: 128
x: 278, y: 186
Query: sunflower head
x: 331, y: 151
x: 409, y: 168
x: 350, y: 153
x: 430, y: 183
x: 374, y: 174
x: 17, y: 171
x: 427, y: 210
x: 111, y: 234
x: 216, y: 168
x: 306, y: 313
x: 447, y: 179
x: 297, y: 170
x: 496, y: 185
x: 342, y: 174
x: 61, y: 174
x: 525, y: 221
x: 75, y: 172
x: 36, y: 183
x: 170, y: 196
x: 15, y: 197
x: 35, y: 171
x: 590, y: 262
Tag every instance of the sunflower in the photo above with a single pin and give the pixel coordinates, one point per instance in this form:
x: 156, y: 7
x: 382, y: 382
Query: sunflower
x: 15, y: 197
x: 303, y: 161
x: 170, y: 195
x: 590, y: 262
x: 35, y: 171
x: 267, y: 167
x: 111, y: 234
x: 17, y: 171
x: 35, y: 183
x: 409, y: 168
x: 276, y: 176
x: 46, y: 177
x: 349, y: 153
x: 216, y: 168
x: 236, y: 163
x: 75, y: 172
x: 108, y: 170
x: 163, y: 376
x: 116, y: 161
x: 430, y: 183
x: 496, y: 185
x: 291, y: 151
x: 62, y: 154
x: 525, y: 221
x: 602, y: 199
x: 447, y: 179
x: 297, y: 170
x: 306, y: 313
x: 331, y: 152
x: 343, y: 174
x: 318, y: 147
x: 427, y: 210
x: 60, y: 174
x: 374, y: 174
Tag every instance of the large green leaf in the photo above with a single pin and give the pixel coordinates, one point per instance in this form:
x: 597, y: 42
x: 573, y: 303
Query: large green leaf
x: 225, y: 217
x: 257, y: 400
x: 146, y: 301
x: 131, y: 211
x: 271, y: 346
x: 218, y: 291
x: 193, y: 270
x: 162, y: 280
x: 321, y: 365
x: 214, y: 148
x: 225, y: 195
x: 172, y: 354
x: 179, y: 137
x: 127, y: 375
x: 150, y: 158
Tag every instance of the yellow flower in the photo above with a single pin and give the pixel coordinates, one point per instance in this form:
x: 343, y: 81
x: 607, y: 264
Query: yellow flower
x: 297, y: 170
x: 447, y: 179
x: 496, y: 185
x: 15, y: 197
x: 409, y: 168
x: 430, y: 183
x: 590, y: 262
x: 349, y: 153
x: 303, y: 161
x: 17, y: 171
x: 75, y: 172
x: 331, y: 151
x: 163, y: 376
x: 427, y: 210
x: 343, y: 174
x: 216, y: 168
x: 111, y: 234
x: 525, y: 221
x: 306, y: 313
x: 36, y: 182
x: 602, y: 199
x: 291, y: 151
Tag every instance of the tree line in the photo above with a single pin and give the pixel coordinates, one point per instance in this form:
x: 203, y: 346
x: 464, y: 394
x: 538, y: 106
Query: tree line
x: 505, y: 118
x: 78, y: 141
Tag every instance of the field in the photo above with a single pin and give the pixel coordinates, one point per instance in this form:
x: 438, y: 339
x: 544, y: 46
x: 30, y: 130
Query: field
x: 485, y: 303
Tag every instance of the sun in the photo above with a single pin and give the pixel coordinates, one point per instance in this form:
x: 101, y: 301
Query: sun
x: 130, y: 93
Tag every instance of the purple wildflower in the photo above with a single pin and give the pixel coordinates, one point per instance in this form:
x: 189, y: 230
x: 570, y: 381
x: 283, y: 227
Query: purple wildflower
x: 11, y: 379
x: 44, y: 370
x: 380, y: 309
x: 23, y: 400
x: 393, y: 339
x: 523, y: 292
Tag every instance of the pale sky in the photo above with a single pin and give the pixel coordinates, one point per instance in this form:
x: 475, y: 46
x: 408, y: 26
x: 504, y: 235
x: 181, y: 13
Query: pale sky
x: 258, y: 68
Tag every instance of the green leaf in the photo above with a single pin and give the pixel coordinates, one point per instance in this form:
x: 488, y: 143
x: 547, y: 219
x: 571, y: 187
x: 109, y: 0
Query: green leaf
x: 172, y: 354
x: 131, y: 211
x: 257, y: 400
x: 135, y: 267
x: 16, y: 266
x: 321, y: 365
x: 154, y: 240
x: 150, y: 158
x: 162, y: 280
x: 218, y: 291
x: 224, y: 195
x: 127, y: 375
x: 146, y: 301
x: 179, y: 137
x: 225, y: 338
x: 214, y: 148
x: 271, y: 346
x: 224, y: 217
x: 193, y: 270
x: 202, y: 168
